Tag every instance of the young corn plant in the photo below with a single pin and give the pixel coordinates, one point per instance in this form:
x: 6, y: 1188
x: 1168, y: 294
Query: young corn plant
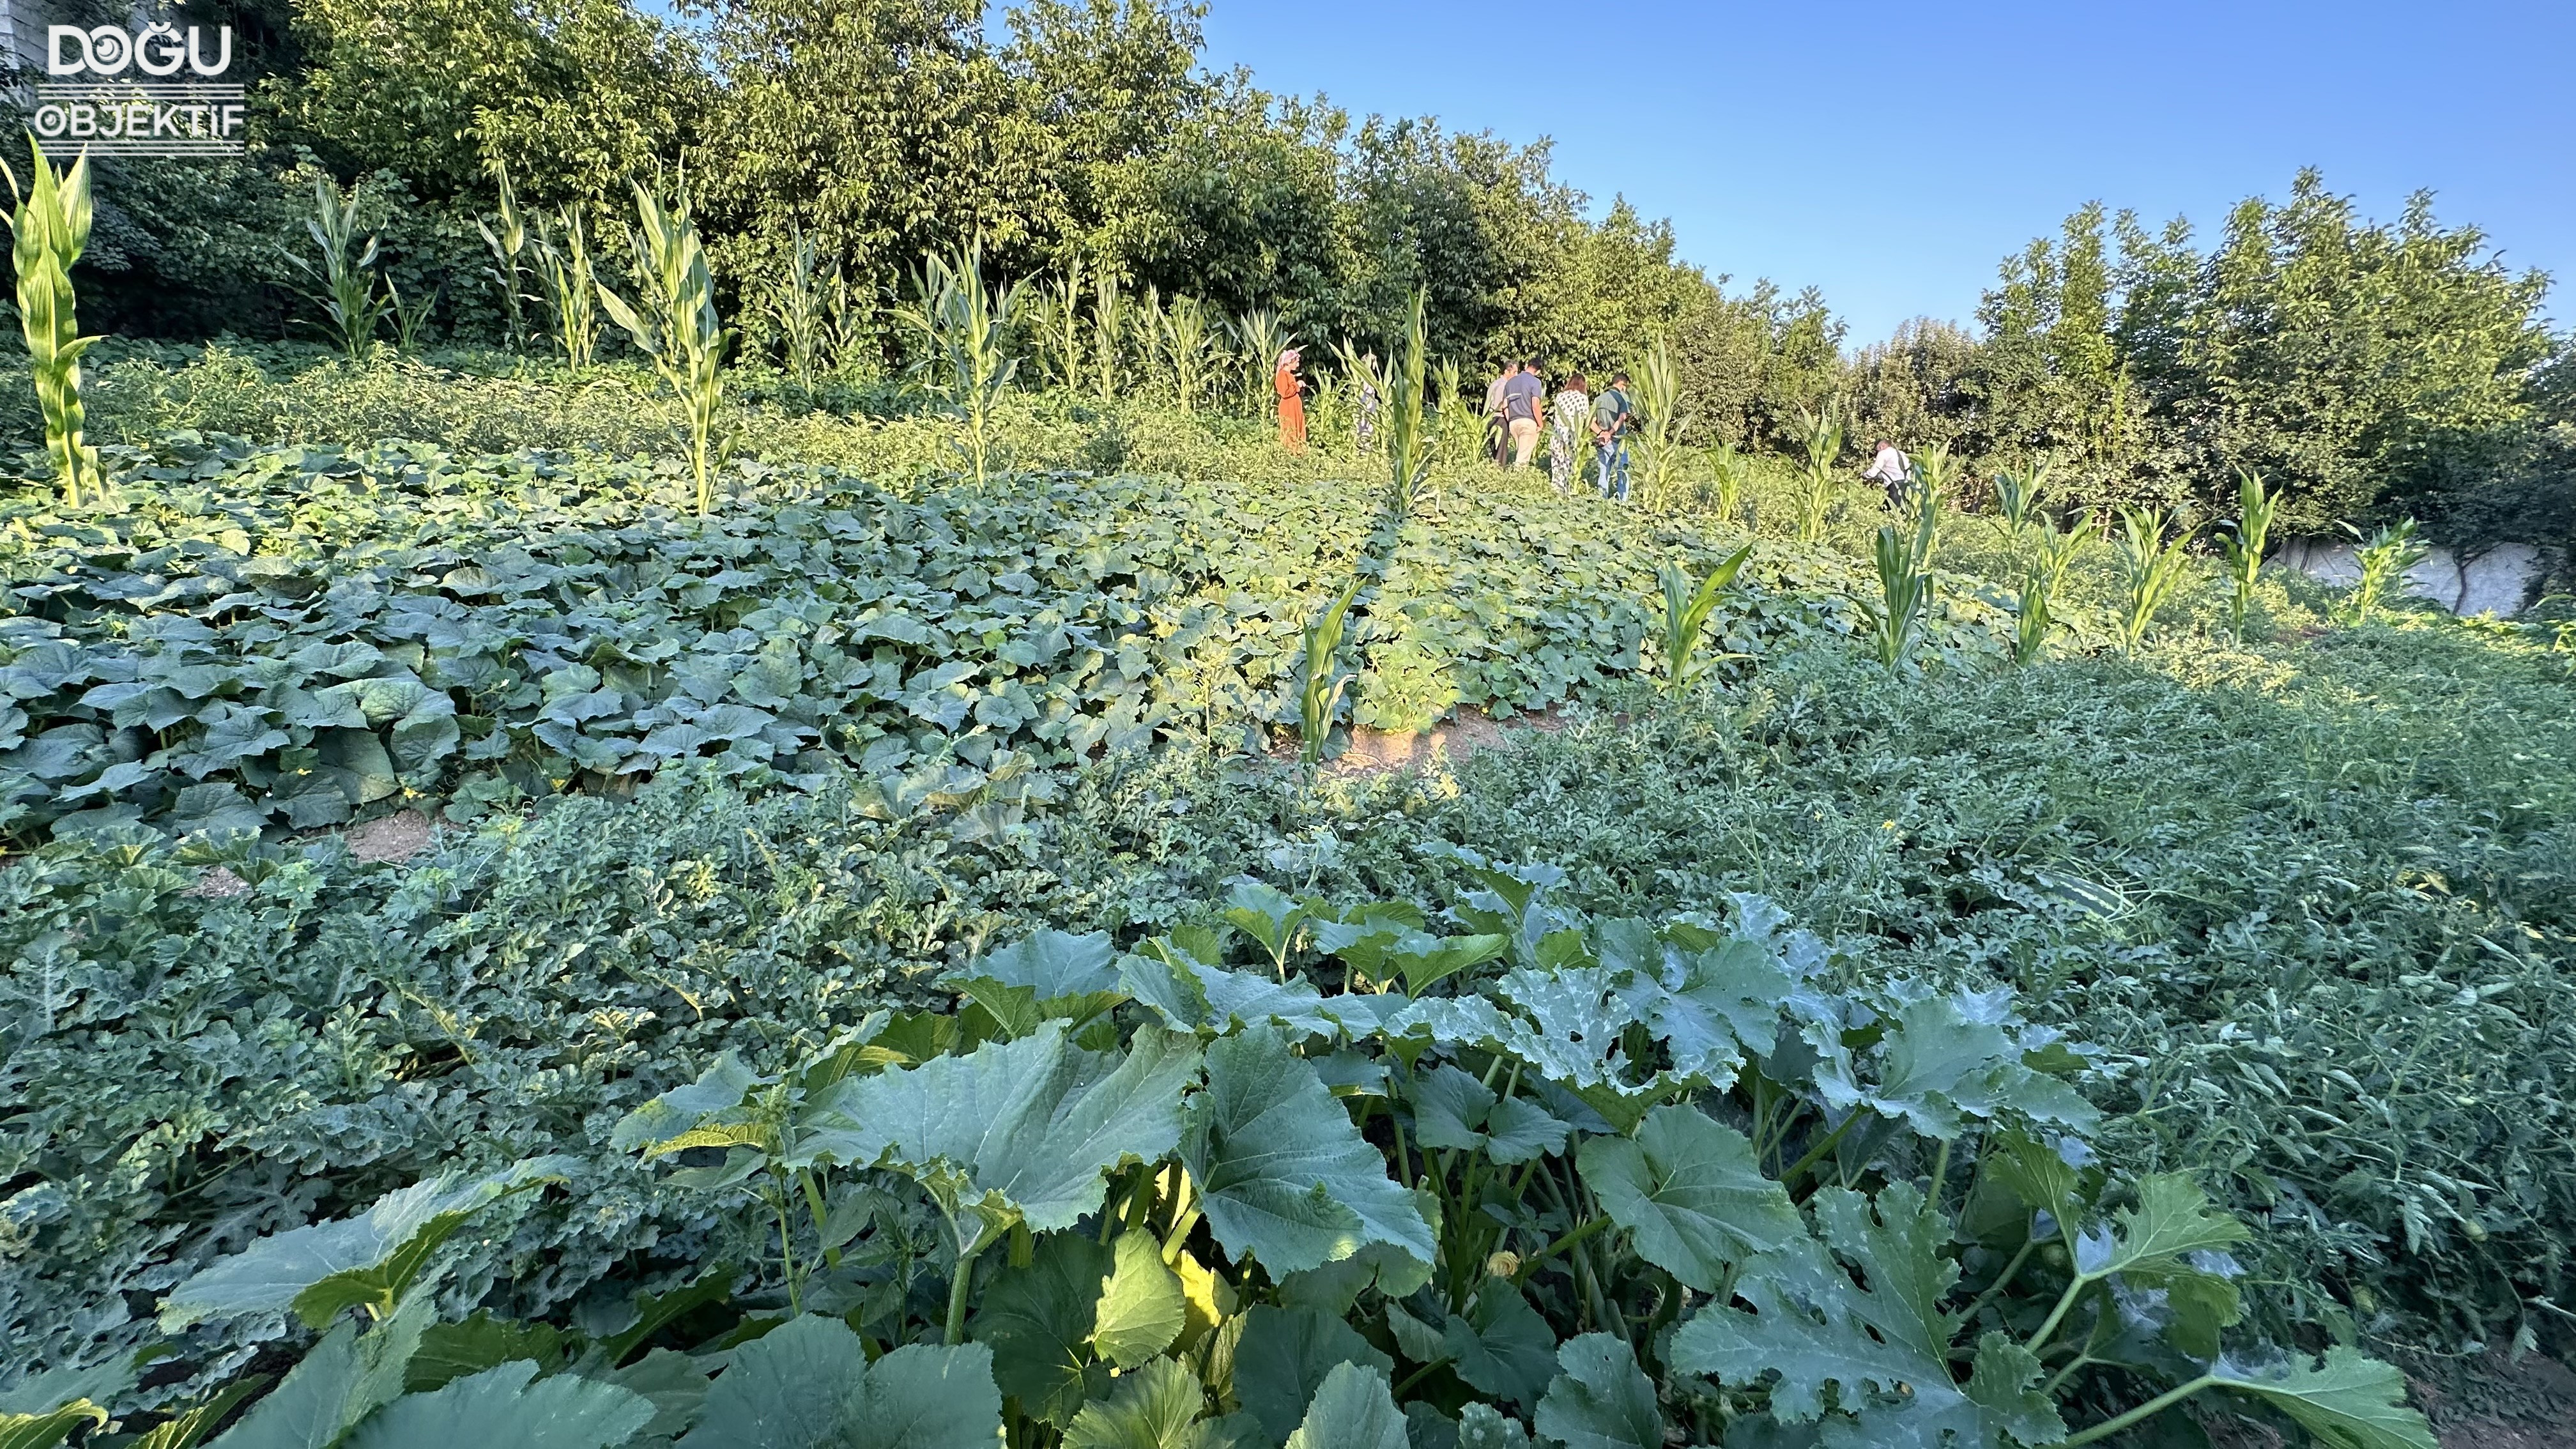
x: 2242, y: 546
x: 563, y: 269
x: 1731, y: 475
x: 411, y: 318
x: 2017, y: 496
x: 1263, y: 338
x: 1108, y: 330
x: 1904, y: 559
x: 1660, y: 423
x: 1323, y: 677
x: 1192, y: 346
x: 1823, y: 444
x: 1686, y: 610
x: 969, y: 326
x: 2385, y: 558
x: 2043, y: 572
x: 341, y: 276
x: 1147, y: 325
x: 506, y: 236
x: 796, y: 307
x: 1408, y: 421
x: 1055, y: 320
x: 50, y: 230
x: 2150, y: 566
x: 674, y: 322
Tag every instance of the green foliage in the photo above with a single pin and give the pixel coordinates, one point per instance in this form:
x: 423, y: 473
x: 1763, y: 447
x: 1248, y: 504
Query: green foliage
x: 2242, y: 546
x: 799, y: 309
x: 340, y: 278
x: 1323, y: 678
x: 966, y: 324
x: 1408, y: 420
x: 1823, y: 441
x: 1687, y: 607
x: 570, y: 286
x: 674, y: 322
x: 1896, y: 617
x: 2018, y: 494
x: 2044, y: 569
x: 505, y: 236
x: 49, y: 230
x: 2384, y: 559
x: 2151, y: 566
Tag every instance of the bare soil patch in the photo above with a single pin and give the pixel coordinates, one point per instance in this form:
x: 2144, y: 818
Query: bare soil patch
x: 391, y: 838
x: 1375, y: 752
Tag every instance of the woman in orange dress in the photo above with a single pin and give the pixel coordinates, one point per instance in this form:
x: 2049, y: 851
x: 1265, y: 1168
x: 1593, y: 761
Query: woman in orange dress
x: 1292, y: 402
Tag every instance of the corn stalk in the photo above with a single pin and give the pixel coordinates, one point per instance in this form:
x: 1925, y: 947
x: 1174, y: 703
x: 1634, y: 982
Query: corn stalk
x: 411, y: 319
x: 2150, y: 566
x: 1905, y: 571
x: 2385, y: 557
x: 1263, y: 339
x: 506, y: 237
x: 1108, y: 323
x: 796, y: 305
x: 1732, y: 473
x: 2243, y: 544
x: 342, y: 281
x: 1824, y: 444
x: 1659, y: 423
x: 674, y: 323
x: 564, y: 270
x: 968, y: 325
x: 50, y: 228
x: 1408, y: 430
x: 1686, y: 610
x: 2043, y: 572
x: 1323, y: 677
x: 1056, y: 322
x: 2018, y: 494
x: 1191, y: 345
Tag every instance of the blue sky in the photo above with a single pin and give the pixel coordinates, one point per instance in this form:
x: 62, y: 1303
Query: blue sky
x: 1891, y: 154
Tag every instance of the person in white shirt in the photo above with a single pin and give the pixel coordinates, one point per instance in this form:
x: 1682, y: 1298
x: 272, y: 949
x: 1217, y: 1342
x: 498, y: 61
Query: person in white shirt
x: 1892, y: 470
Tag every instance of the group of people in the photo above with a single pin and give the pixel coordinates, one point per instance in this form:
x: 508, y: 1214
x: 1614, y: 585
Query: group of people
x: 1517, y: 409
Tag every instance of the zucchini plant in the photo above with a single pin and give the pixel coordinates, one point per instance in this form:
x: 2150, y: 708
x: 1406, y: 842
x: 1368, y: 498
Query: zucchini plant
x: 1497, y: 1174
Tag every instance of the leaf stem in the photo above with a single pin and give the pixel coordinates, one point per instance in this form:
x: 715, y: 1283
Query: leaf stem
x: 2003, y: 1280
x: 1568, y: 1240
x: 2147, y: 1410
x: 957, y: 1285
x: 1824, y: 1145
x: 2057, y: 1315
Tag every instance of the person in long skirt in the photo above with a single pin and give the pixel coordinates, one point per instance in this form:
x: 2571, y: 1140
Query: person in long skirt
x: 1292, y: 402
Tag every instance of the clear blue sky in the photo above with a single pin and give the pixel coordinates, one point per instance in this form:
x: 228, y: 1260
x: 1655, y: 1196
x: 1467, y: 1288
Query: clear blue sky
x: 1891, y: 154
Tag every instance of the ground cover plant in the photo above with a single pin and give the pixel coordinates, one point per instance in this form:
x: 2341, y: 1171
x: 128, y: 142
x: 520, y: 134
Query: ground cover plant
x: 1205, y: 1243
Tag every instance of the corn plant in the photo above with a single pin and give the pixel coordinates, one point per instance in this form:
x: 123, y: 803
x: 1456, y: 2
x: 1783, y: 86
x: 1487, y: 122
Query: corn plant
x: 2150, y: 566
x: 2017, y: 495
x: 1904, y: 560
x: 967, y: 324
x: 50, y: 230
x: 674, y: 322
x: 506, y: 236
x: 1408, y: 422
x: 411, y: 318
x: 1460, y: 421
x: 1147, y: 327
x: 1262, y: 338
x: 2385, y: 559
x: 1055, y: 321
x: 2043, y: 572
x: 797, y: 308
x: 1731, y: 474
x: 563, y: 269
x: 1191, y: 348
x: 1686, y: 610
x: 341, y: 277
x: 1323, y: 676
x: 1823, y: 444
x: 1659, y: 423
x: 1936, y: 474
x: 1108, y: 330
x: 2243, y: 543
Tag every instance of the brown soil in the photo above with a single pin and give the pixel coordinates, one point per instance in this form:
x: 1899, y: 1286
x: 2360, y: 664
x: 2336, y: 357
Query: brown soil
x: 391, y: 838
x: 1375, y: 752
x: 2497, y: 1403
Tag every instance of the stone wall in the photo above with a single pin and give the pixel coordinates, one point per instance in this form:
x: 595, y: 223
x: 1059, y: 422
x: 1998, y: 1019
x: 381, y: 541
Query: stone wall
x: 2503, y: 580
